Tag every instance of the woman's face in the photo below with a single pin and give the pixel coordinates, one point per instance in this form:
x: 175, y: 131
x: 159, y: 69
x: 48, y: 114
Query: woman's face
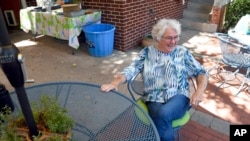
x: 169, y: 40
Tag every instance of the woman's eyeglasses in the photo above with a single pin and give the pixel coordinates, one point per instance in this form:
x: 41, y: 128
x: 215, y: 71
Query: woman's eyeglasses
x: 170, y: 38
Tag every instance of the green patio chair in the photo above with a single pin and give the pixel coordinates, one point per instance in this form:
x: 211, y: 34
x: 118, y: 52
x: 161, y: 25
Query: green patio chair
x: 135, y: 88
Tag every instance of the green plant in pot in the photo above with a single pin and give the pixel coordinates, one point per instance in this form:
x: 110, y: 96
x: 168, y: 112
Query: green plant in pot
x: 6, y: 133
x: 49, y: 116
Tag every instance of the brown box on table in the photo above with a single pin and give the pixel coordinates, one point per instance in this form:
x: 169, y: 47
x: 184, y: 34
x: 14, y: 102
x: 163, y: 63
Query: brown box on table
x: 71, y: 7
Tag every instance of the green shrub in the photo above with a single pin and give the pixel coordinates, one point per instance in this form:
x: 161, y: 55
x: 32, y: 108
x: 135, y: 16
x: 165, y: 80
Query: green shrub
x: 50, y: 113
x: 235, y: 10
x: 47, y: 112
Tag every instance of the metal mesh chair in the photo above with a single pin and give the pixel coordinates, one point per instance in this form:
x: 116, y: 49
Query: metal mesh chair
x: 135, y: 88
x: 234, y: 55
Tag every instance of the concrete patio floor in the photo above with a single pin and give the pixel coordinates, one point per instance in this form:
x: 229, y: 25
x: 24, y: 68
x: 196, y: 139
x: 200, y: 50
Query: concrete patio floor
x: 50, y: 60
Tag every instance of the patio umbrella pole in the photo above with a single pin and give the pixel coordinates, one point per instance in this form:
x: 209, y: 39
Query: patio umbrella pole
x: 10, y: 59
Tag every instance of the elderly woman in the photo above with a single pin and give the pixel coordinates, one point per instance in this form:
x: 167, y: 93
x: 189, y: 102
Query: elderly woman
x: 166, y: 68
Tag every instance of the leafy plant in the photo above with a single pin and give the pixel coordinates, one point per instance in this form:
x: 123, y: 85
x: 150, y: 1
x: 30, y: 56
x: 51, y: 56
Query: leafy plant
x: 47, y: 113
x: 50, y: 113
x: 7, y: 134
x: 235, y: 10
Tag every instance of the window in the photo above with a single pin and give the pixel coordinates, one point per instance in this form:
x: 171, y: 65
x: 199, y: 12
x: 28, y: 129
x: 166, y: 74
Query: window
x: 10, y: 17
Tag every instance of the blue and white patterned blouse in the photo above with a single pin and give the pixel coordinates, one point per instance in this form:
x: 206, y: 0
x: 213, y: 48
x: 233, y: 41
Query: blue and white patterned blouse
x: 164, y: 74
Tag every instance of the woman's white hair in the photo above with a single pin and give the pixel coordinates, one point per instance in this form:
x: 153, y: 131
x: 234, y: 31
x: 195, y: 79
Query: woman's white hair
x: 162, y: 25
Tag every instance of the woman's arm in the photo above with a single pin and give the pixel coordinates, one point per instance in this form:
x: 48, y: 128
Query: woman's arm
x: 194, y: 68
x: 127, y: 73
x: 197, y: 97
x: 114, y: 84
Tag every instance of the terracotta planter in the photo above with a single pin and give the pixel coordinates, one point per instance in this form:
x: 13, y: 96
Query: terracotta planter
x: 16, y: 125
x: 64, y: 137
x: 23, y: 133
x: 47, y: 135
x: 148, y: 41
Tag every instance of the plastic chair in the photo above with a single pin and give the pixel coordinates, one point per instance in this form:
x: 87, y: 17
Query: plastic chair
x: 135, y: 88
x: 234, y: 55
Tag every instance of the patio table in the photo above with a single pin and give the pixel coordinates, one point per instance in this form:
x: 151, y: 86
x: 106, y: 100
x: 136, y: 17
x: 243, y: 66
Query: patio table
x: 55, y: 24
x: 98, y: 116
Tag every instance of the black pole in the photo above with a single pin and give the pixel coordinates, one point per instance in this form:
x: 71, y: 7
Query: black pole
x: 10, y: 63
x: 26, y: 109
x: 4, y: 36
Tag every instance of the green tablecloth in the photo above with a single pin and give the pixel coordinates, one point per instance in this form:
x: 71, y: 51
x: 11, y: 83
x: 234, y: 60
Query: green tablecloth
x: 58, y: 26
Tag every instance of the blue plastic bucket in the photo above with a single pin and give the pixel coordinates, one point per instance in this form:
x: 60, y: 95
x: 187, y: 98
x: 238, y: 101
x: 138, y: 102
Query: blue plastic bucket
x: 100, y: 39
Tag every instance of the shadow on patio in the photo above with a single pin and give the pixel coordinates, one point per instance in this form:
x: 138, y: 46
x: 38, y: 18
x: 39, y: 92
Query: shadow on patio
x: 221, y: 103
x: 220, y: 107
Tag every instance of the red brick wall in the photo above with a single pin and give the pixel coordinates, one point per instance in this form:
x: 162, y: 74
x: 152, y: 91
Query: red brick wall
x: 132, y: 17
x: 217, y: 17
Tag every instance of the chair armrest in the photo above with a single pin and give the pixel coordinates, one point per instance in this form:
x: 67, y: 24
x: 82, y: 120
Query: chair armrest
x: 135, y: 86
x: 192, y: 85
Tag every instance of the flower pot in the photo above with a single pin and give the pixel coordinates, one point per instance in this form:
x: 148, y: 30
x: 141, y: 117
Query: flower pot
x: 45, y: 135
x: 64, y: 137
x: 148, y: 41
x: 50, y: 117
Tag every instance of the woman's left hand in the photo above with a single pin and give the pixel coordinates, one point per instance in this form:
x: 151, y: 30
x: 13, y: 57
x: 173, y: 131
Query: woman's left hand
x: 196, y: 99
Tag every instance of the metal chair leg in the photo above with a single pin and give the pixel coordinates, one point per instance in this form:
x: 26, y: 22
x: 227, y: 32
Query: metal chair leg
x: 227, y: 79
x: 241, y: 86
x: 245, y: 81
x: 177, y: 134
x: 215, y: 66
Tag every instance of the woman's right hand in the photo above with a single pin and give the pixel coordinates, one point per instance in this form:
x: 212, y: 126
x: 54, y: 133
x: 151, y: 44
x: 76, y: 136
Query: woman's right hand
x: 114, y: 84
x: 108, y: 87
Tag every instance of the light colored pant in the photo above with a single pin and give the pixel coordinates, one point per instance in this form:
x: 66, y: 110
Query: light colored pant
x: 164, y: 113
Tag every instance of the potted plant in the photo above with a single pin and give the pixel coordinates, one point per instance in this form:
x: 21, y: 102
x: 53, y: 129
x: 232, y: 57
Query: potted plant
x: 148, y: 41
x: 51, y: 119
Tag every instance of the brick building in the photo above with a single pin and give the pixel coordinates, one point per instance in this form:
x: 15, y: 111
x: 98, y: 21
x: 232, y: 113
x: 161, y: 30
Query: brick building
x: 134, y: 18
